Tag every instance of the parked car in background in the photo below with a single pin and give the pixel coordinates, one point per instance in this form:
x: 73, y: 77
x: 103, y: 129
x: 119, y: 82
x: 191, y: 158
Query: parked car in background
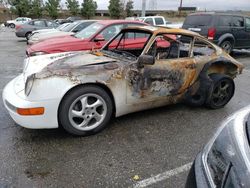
x: 26, y: 29
x: 229, y: 31
x: 225, y: 160
x: 154, y: 20
x: 62, y: 21
x: 158, y: 21
x: 139, y: 68
x: 17, y: 21
x: 70, y: 29
x: 73, y: 18
x: 60, y: 28
x: 92, y: 37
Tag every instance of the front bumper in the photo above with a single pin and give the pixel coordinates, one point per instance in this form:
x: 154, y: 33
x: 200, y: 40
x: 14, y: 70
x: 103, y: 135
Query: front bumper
x: 13, y: 100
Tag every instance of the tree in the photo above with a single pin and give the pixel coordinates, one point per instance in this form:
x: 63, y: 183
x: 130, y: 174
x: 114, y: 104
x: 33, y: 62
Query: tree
x: 73, y: 6
x: 115, y: 8
x: 88, y: 8
x: 36, y: 8
x: 4, y: 3
x: 20, y: 7
x: 51, y: 7
x: 129, y: 8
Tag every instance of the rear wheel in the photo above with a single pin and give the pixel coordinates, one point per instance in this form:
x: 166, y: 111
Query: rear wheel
x: 227, y: 46
x: 85, y: 111
x: 222, y: 91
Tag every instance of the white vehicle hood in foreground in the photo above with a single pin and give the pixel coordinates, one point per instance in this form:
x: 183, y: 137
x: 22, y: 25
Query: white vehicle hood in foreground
x: 45, y: 30
x: 35, y: 64
x: 47, y: 35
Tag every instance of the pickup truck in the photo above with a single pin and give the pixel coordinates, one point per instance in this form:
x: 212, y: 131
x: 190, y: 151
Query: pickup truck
x: 159, y: 21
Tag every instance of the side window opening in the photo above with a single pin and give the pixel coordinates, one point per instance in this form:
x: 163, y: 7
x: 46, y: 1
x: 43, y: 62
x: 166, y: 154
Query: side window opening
x: 225, y: 21
x: 202, y: 48
x: 129, y: 43
x: 159, y: 21
x: 149, y: 21
x: 238, y: 21
x: 171, y: 46
x: 248, y: 23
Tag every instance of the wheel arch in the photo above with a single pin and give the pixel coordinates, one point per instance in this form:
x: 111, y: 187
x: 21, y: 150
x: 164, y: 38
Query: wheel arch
x: 100, y: 85
x: 227, y: 36
x: 204, y: 82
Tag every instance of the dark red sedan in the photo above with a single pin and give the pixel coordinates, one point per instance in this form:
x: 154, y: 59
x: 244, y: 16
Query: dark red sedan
x: 92, y: 37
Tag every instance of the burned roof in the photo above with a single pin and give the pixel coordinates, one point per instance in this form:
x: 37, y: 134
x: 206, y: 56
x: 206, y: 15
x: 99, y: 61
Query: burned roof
x: 158, y: 30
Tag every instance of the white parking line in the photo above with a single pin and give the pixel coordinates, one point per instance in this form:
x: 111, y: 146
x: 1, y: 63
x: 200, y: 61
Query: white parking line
x: 245, y: 70
x: 163, y: 176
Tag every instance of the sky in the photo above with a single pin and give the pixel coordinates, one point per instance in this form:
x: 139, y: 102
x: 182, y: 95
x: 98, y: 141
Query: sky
x: 202, y: 4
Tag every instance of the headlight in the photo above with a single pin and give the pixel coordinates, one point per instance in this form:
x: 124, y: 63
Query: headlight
x: 37, y: 53
x: 28, y: 84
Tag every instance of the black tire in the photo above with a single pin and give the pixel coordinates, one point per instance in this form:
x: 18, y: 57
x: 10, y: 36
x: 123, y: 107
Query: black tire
x: 221, y: 91
x: 71, y: 123
x: 27, y: 35
x: 227, y: 46
x: 12, y: 25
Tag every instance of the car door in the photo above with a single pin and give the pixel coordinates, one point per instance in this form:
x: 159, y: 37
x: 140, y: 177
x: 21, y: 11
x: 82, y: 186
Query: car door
x: 39, y: 24
x: 106, y: 34
x: 238, y: 30
x: 171, y: 74
x: 247, y: 23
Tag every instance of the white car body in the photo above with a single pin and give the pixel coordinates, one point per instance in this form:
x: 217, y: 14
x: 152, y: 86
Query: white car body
x: 18, y: 21
x: 14, y: 96
x: 38, y: 37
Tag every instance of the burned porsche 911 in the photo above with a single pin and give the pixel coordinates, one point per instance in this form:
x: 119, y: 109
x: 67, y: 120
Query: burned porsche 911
x: 225, y: 160
x: 140, y: 68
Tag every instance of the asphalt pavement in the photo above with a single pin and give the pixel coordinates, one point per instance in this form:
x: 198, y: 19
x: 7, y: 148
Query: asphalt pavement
x: 156, y: 145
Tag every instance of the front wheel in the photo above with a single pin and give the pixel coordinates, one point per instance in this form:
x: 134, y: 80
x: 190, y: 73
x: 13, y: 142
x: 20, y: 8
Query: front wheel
x: 27, y: 35
x: 85, y: 110
x: 222, y: 91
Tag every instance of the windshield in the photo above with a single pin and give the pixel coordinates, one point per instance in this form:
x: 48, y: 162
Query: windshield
x: 128, y: 44
x: 60, y: 27
x: 89, y: 31
x: 69, y: 27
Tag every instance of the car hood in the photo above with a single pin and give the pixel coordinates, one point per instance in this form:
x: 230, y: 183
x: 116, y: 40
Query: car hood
x: 68, y: 60
x: 56, y: 44
x: 47, y: 35
x: 44, y: 30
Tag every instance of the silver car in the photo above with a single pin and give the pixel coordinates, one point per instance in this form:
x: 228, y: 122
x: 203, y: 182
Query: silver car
x: 70, y: 29
x: 26, y: 29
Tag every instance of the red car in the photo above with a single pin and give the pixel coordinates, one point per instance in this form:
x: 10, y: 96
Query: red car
x: 92, y: 37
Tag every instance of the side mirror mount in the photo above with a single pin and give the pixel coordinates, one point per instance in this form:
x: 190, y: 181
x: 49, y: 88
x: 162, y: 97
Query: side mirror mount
x: 145, y: 60
x: 99, y: 38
